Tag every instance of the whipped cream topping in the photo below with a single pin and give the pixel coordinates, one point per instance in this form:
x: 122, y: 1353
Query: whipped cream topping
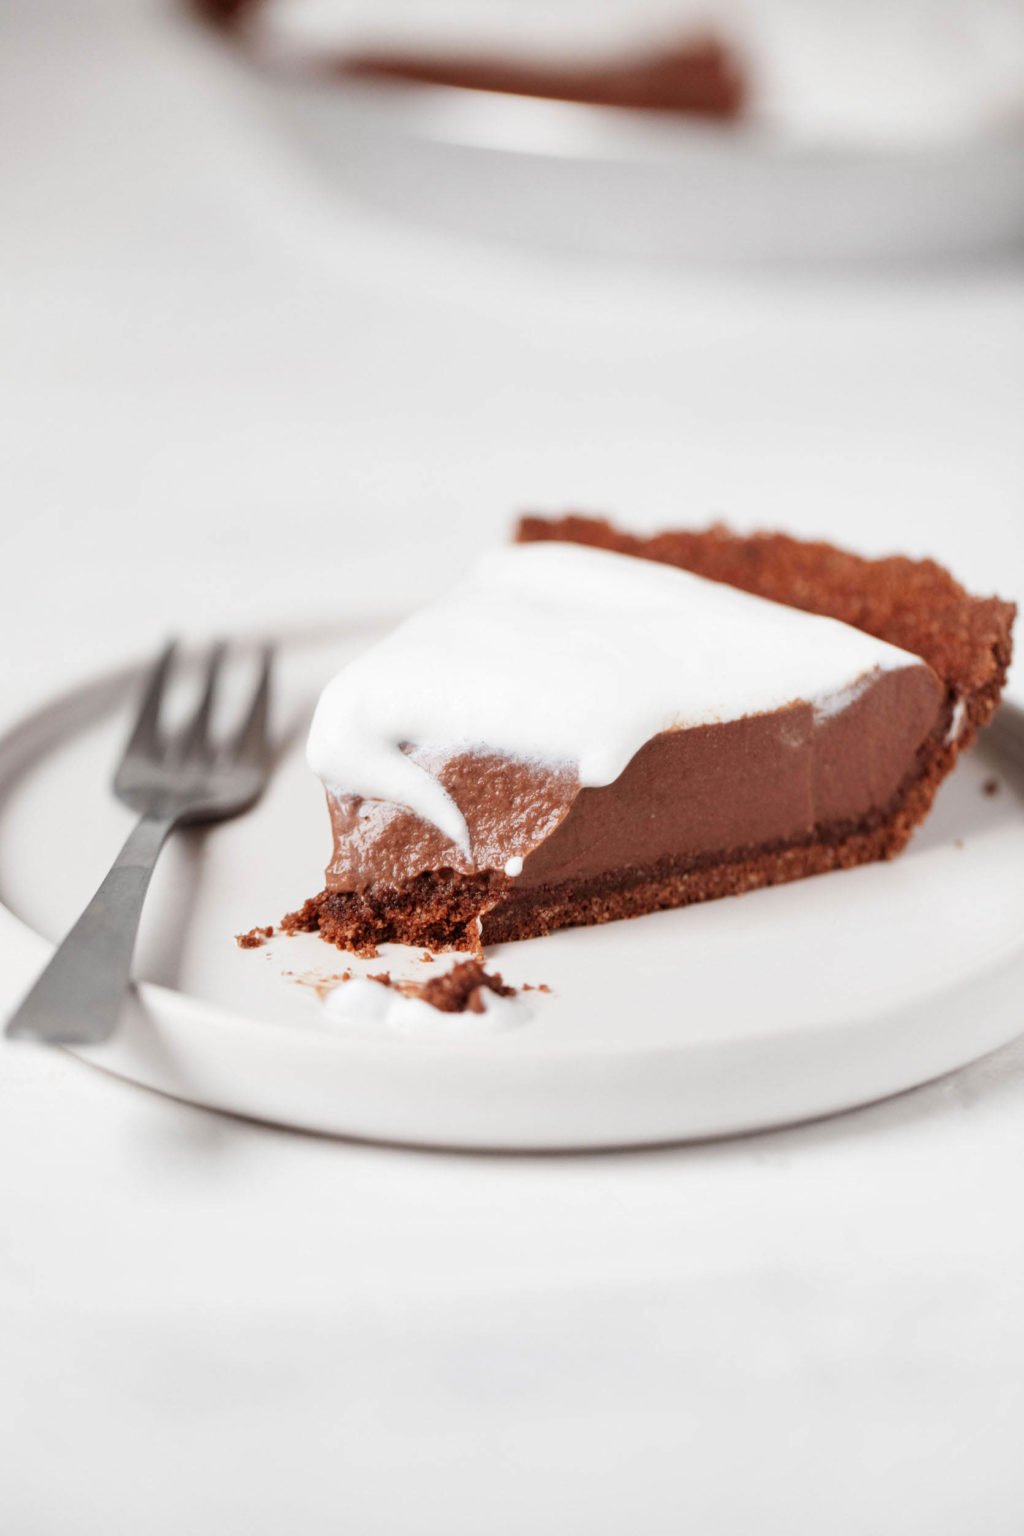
x: 565, y: 655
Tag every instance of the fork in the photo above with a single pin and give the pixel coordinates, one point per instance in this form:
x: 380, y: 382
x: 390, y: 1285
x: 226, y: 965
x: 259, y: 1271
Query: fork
x: 169, y: 781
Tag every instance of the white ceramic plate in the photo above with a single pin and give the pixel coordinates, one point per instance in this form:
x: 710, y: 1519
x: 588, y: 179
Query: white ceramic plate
x: 746, y: 1013
x: 605, y: 181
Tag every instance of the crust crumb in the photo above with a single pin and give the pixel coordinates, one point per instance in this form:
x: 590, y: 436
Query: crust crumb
x: 459, y: 990
x: 321, y: 985
x: 254, y: 939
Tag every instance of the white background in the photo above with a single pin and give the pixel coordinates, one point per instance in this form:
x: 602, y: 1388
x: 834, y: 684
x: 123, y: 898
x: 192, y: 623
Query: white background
x: 221, y: 389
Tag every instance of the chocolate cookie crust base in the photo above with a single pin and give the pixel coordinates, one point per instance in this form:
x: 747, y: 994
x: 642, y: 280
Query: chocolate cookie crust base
x: 914, y: 604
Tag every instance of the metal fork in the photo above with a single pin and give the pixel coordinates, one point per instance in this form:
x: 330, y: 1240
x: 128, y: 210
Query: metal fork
x: 170, y: 781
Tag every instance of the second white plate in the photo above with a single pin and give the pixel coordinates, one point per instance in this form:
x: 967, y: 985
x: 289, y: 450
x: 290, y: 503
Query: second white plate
x: 605, y: 181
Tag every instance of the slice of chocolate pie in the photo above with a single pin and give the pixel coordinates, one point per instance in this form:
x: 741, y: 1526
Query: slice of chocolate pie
x: 593, y: 726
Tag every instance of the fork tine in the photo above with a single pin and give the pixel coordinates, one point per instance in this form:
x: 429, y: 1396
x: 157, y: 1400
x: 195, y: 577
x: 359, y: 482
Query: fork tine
x: 146, y: 730
x: 195, y: 736
x: 250, y: 744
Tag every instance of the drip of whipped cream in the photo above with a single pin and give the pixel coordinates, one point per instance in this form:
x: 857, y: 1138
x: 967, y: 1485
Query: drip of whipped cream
x: 957, y: 723
x: 561, y: 654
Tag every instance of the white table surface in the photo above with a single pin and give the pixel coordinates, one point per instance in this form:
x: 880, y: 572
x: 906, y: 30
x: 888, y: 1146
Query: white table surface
x: 221, y: 389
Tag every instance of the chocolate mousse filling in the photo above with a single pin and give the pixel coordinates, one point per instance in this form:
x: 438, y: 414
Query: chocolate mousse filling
x: 699, y: 812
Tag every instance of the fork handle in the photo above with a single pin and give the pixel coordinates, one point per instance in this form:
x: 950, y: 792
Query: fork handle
x: 78, y: 997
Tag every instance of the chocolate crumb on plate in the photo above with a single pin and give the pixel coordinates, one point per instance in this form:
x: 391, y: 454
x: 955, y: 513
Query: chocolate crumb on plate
x: 316, y: 982
x: 255, y: 938
x: 459, y: 990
